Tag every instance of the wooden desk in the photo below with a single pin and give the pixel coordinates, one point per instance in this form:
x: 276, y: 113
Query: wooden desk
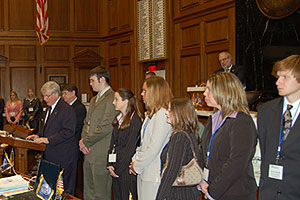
x: 21, y: 148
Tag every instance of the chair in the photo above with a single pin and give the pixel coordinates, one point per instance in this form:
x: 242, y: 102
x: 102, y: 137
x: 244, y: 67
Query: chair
x: 253, y: 98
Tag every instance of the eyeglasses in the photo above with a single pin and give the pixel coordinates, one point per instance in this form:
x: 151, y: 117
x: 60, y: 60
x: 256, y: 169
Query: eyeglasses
x: 221, y: 60
x: 47, y: 96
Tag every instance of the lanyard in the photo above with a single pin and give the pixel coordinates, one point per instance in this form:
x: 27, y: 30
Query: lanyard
x: 212, y: 136
x: 144, y: 130
x: 281, y: 138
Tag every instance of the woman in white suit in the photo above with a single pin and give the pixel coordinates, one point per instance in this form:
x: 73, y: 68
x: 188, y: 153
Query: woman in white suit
x: 155, y: 135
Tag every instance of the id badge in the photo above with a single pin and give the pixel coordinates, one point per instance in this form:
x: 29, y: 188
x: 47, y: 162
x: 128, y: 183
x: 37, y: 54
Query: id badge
x: 205, y: 174
x: 276, y: 172
x: 112, y: 157
x: 30, y: 109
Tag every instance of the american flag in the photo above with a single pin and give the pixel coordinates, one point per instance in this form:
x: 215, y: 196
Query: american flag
x: 42, y: 21
x: 60, y: 184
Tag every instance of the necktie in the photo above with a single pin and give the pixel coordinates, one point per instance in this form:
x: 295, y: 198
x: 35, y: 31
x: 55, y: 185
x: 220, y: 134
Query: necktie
x: 46, y: 120
x: 287, y: 118
x: 48, y: 115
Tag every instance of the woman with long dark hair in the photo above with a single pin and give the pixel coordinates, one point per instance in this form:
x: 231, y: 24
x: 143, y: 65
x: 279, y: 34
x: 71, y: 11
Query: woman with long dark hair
x: 125, y: 137
x: 180, y: 150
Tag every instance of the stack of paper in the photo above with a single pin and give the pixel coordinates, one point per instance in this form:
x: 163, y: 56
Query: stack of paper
x: 13, y: 185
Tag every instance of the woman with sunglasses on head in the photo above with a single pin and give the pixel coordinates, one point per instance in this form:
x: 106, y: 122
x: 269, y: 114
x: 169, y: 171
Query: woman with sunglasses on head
x: 180, y: 150
x: 228, y: 141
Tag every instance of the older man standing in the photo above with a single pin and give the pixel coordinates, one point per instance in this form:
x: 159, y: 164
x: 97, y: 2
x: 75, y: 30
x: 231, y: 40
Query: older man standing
x: 58, y: 133
x: 96, y: 135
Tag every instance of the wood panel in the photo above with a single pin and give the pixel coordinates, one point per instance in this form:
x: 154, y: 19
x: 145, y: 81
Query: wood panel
x: 124, y: 13
x: 84, y: 84
x: 191, y: 34
x: 196, y: 8
x: 22, y: 53
x: 190, y: 72
x: 185, y: 4
x: 125, y: 49
x: 56, y: 53
x: 86, y: 15
x: 198, y: 39
x: 114, y: 77
x: 2, y: 52
x: 125, y: 75
x: 212, y: 62
x: 113, y: 17
x: 21, y: 84
x: 21, y: 14
x: 59, y: 15
x: 113, y: 53
x: 1, y: 15
x: 212, y: 35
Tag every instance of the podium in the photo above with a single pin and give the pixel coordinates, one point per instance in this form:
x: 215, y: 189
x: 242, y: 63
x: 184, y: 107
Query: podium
x: 17, y: 130
x: 21, y: 148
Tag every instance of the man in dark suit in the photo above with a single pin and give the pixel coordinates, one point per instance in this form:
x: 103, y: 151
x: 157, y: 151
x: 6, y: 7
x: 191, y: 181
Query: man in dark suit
x: 70, y: 95
x: 279, y: 135
x: 225, y: 60
x: 58, y: 133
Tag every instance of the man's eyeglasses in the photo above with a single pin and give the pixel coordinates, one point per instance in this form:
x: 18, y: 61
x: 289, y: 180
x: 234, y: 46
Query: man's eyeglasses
x: 221, y: 60
x: 47, y: 96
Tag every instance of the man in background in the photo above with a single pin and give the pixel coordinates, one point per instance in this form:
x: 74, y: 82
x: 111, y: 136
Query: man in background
x: 58, y: 133
x: 225, y: 60
x: 149, y: 74
x: 96, y: 135
x: 279, y: 134
x: 70, y: 95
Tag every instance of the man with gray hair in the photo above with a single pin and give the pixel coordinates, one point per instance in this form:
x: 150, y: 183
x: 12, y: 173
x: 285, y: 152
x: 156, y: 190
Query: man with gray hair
x: 58, y: 133
x: 227, y: 65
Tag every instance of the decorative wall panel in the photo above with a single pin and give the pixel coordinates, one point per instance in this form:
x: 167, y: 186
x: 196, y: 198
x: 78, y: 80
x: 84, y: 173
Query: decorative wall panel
x: 22, y: 53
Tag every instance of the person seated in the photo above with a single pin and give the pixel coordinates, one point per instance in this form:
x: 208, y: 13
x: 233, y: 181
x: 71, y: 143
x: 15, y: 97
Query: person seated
x: 13, y: 109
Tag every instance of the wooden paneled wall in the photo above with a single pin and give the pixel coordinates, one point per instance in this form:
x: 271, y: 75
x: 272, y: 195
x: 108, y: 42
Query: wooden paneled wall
x: 202, y: 28
x: 197, y: 31
x: 74, y: 26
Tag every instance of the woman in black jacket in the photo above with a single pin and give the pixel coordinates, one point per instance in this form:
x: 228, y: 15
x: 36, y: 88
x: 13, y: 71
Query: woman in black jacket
x: 228, y: 141
x: 125, y: 136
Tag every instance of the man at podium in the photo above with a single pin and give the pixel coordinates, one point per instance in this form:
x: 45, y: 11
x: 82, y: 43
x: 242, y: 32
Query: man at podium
x: 58, y: 133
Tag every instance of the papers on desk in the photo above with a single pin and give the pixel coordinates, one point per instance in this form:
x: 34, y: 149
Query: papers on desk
x: 13, y: 185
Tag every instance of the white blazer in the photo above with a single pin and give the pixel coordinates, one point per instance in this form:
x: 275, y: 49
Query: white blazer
x: 147, y: 157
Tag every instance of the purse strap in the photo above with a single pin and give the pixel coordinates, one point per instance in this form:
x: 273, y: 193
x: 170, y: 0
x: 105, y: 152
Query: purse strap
x: 191, y: 144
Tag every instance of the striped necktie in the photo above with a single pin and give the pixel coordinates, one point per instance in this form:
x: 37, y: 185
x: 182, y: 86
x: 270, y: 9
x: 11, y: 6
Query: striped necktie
x: 287, y: 118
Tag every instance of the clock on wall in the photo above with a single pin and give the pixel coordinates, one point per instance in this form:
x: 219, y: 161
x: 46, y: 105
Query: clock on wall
x: 277, y: 9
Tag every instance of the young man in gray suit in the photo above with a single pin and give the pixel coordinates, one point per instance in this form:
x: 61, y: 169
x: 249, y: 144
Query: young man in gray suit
x: 96, y: 135
x: 279, y: 135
